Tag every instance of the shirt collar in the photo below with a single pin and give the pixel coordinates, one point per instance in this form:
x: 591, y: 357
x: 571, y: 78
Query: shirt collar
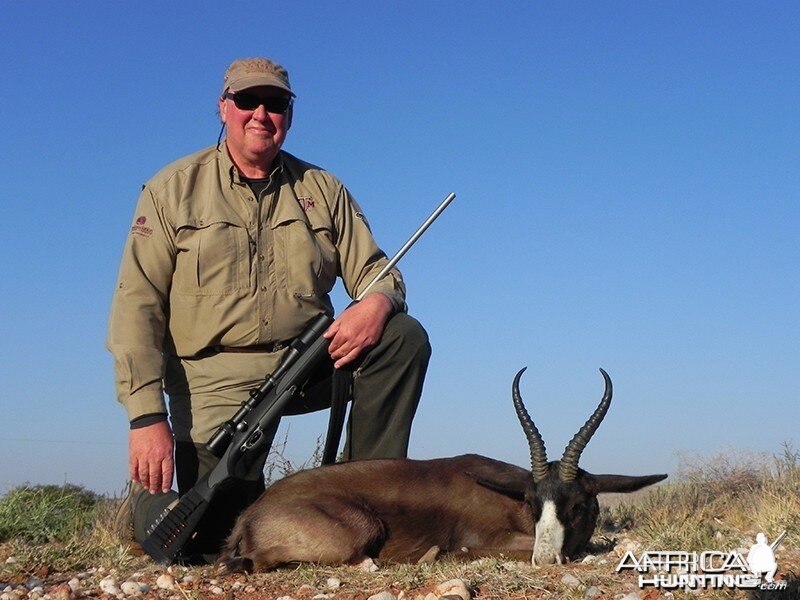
x: 232, y: 173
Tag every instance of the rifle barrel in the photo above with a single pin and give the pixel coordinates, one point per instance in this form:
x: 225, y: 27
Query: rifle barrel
x: 411, y: 241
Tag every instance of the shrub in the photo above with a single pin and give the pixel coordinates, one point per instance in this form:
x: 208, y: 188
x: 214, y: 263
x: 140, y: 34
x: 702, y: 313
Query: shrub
x: 46, y: 513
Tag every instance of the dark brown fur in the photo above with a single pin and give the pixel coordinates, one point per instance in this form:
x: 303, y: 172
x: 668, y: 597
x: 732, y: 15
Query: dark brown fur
x: 394, y: 509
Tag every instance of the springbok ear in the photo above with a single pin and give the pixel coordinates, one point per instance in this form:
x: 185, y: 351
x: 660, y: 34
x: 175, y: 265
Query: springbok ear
x: 598, y: 484
x: 509, y: 484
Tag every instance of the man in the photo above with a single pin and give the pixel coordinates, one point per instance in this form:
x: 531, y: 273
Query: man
x: 232, y: 251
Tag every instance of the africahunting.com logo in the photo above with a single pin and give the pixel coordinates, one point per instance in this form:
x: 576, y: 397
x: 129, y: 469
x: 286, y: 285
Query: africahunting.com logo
x: 675, y: 569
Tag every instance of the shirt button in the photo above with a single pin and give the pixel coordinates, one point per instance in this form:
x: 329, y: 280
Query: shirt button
x: 263, y: 288
x: 260, y: 257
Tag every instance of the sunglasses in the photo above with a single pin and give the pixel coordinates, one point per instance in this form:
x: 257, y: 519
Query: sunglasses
x: 273, y: 104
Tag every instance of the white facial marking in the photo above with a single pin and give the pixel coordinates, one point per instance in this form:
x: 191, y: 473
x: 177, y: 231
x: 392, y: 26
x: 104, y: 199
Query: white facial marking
x: 549, y: 536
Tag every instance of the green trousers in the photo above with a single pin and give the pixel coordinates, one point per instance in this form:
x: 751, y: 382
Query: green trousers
x: 386, y: 388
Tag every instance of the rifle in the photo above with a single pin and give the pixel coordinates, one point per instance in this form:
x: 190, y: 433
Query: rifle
x: 242, y: 437
x: 774, y: 545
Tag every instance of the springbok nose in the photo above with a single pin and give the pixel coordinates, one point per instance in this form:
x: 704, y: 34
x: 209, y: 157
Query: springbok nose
x: 549, y: 536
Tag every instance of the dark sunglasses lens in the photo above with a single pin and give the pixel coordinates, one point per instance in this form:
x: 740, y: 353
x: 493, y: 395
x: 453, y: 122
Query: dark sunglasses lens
x: 273, y: 104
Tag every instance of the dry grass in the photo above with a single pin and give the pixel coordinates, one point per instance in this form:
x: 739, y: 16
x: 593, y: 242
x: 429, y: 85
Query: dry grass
x: 720, y: 502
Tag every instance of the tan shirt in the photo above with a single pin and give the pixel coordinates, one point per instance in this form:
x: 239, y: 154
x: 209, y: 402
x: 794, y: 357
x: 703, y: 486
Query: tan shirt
x: 206, y: 263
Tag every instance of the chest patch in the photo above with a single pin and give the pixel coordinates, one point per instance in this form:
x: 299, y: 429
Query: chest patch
x: 306, y: 203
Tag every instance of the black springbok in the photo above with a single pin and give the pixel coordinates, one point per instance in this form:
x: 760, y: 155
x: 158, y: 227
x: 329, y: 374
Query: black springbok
x: 400, y: 510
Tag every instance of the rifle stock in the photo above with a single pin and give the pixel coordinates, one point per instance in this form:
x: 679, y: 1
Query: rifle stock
x: 244, y: 434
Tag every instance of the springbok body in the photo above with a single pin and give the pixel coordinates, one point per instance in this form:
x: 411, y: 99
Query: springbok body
x: 398, y: 509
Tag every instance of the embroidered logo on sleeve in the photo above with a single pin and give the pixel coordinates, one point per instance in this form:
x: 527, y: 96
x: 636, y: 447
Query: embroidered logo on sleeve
x: 306, y: 203
x: 140, y: 227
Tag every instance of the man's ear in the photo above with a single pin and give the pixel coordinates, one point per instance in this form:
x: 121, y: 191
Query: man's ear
x: 223, y: 107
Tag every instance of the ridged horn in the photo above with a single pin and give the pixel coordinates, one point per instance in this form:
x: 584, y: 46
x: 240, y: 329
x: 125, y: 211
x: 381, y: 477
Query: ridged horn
x: 535, y: 442
x: 572, y: 453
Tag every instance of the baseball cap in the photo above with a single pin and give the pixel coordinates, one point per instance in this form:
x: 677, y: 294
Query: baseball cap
x: 252, y: 72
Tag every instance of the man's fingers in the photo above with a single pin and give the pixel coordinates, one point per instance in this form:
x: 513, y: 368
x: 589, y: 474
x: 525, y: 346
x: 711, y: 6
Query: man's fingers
x: 155, y: 477
x: 166, y: 475
x: 347, y: 359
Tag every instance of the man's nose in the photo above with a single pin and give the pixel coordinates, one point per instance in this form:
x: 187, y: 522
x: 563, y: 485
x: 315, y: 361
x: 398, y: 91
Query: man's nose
x: 260, y: 113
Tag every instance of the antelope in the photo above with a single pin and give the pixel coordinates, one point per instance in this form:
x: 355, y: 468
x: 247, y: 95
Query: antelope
x: 401, y: 510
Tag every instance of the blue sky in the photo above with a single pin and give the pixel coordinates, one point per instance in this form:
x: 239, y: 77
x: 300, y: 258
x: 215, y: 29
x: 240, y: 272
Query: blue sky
x: 627, y: 189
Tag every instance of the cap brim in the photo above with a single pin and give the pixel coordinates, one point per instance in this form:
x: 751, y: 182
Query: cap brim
x: 257, y: 81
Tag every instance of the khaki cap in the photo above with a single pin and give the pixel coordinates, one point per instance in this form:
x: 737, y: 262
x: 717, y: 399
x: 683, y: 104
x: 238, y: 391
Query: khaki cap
x: 252, y: 72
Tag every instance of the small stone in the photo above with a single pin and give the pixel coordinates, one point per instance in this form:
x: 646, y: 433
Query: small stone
x: 631, y: 596
x: 382, y: 596
x: 32, y: 582
x: 165, y: 581
x: 144, y: 588
x: 454, y: 587
x: 589, y: 559
x: 108, y: 585
x: 188, y: 579
x: 307, y: 588
x: 332, y: 583
x: 62, y: 592
x: 368, y: 565
x: 322, y: 596
x: 130, y: 588
x: 284, y: 598
x: 431, y: 596
x: 216, y: 590
x: 570, y: 580
x: 250, y: 589
x: 74, y: 584
x: 593, y: 592
x: 84, y: 575
x: 11, y: 560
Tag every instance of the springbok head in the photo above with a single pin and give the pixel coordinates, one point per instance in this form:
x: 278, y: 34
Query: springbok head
x: 562, y: 496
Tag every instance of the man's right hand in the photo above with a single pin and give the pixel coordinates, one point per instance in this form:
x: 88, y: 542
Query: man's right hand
x: 150, y: 457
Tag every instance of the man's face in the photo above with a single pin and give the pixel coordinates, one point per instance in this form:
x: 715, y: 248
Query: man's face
x: 254, y: 136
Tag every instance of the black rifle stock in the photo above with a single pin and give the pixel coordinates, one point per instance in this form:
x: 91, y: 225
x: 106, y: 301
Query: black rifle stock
x: 242, y: 437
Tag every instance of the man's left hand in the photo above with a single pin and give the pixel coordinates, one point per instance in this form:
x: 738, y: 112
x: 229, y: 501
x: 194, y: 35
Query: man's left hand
x: 358, y: 328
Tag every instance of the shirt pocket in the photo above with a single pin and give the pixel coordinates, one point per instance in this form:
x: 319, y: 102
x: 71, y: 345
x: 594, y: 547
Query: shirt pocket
x: 307, y: 255
x: 213, y: 258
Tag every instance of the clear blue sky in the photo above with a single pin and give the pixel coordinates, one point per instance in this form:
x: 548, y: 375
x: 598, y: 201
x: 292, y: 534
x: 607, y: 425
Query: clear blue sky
x: 627, y: 180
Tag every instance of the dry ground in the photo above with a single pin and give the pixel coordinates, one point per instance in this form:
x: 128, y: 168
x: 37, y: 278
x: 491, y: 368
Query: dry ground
x: 495, y: 579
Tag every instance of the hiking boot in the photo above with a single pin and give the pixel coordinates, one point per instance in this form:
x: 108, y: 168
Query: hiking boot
x: 123, y: 520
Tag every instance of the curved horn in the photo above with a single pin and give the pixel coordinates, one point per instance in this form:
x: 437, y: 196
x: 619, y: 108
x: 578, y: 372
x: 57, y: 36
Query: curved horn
x: 535, y: 442
x: 572, y: 453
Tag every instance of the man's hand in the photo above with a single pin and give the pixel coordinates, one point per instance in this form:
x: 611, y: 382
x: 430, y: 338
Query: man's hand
x: 358, y: 328
x: 150, y: 457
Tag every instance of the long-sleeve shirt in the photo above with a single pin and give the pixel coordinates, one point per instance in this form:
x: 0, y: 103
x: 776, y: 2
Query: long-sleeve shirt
x: 206, y: 264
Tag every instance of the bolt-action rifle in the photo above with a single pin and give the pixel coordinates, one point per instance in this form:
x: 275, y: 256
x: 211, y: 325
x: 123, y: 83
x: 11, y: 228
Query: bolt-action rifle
x: 241, y: 440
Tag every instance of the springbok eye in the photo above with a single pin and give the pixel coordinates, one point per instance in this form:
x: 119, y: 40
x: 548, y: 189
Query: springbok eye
x: 578, y: 509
